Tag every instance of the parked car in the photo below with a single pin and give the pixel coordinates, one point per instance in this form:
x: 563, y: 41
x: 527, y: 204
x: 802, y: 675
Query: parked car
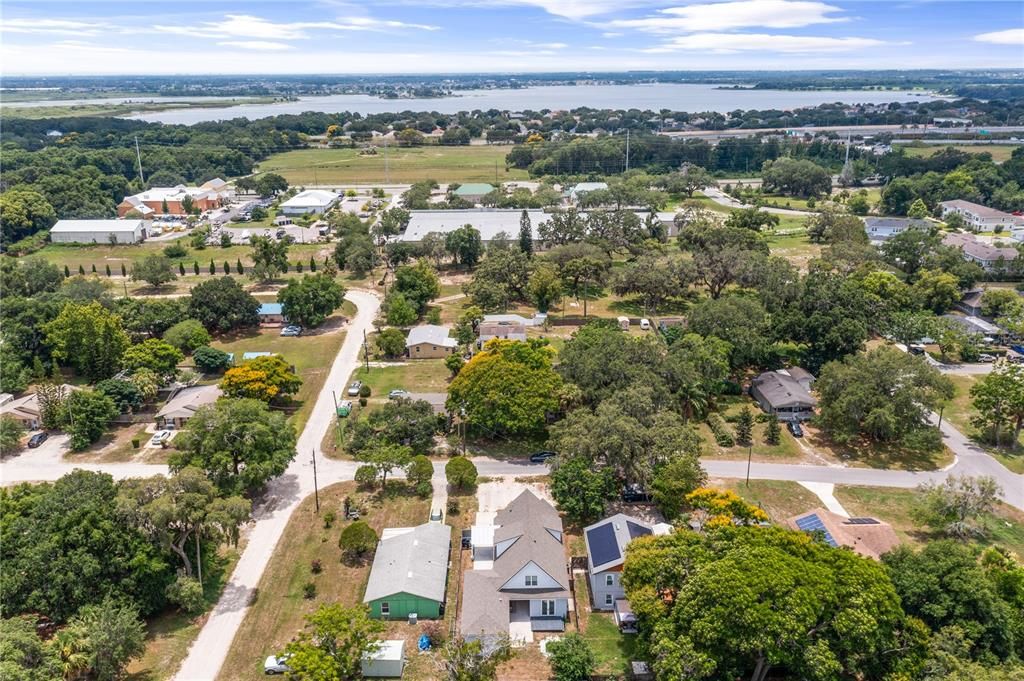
x: 635, y: 494
x: 397, y: 393
x: 541, y: 457
x: 291, y: 330
x: 159, y: 438
x: 645, y: 324
x: 344, y: 408
x: 435, y: 515
x: 916, y: 349
x: 37, y: 439
x: 353, y: 389
x: 280, y: 233
x: 795, y: 429
x: 983, y: 357
x: 276, y: 665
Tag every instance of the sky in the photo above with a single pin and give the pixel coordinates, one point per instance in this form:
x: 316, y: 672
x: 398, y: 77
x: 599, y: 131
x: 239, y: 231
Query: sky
x: 502, y: 36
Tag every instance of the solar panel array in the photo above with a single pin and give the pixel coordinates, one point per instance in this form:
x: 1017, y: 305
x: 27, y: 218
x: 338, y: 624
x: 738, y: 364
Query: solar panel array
x: 862, y: 521
x: 603, y: 545
x: 812, y: 523
x: 636, y: 530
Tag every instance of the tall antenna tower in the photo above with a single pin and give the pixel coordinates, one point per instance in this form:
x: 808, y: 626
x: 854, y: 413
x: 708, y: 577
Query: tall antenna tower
x: 138, y: 155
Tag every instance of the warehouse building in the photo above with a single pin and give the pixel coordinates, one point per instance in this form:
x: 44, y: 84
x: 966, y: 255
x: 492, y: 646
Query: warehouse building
x: 98, y: 231
x: 311, y: 201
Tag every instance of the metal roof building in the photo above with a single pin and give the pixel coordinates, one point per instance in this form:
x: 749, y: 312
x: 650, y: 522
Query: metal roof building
x: 98, y: 231
x: 410, y: 572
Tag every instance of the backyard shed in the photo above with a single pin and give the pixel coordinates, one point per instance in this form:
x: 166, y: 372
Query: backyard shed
x: 387, y: 661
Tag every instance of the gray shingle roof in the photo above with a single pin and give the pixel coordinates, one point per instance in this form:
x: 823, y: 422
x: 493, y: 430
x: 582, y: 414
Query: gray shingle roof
x: 782, y: 390
x: 414, y: 561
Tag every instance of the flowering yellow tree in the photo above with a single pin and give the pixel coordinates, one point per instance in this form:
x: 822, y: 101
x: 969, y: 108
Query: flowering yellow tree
x: 717, y: 508
x: 263, y: 378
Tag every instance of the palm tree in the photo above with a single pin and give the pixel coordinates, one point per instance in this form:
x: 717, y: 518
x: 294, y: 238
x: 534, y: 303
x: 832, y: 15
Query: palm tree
x: 693, y: 400
x: 74, y: 658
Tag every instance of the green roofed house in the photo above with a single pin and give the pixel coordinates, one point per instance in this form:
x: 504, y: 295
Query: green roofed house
x: 473, y: 191
x: 410, y: 572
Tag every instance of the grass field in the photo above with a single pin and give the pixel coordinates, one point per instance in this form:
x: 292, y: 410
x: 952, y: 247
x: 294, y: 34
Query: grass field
x: 109, y: 109
x: 1000, y: 152
x: 780, y: 499
x: 416, y: 376
x: 276, y: 614
x: 960, y: 411
x: 1006, y: 524
x: 482, y: 163
x: 613, y: 650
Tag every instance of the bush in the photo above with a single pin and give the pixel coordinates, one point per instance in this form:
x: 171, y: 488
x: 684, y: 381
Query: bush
x: 357, y: 540
x: 211, y: 360
x: 435, y: 632
x: 136, y: 443
x: 723, y: 436
x: 424, y: 489
x: 175, y: 250
x: 453, y: 506
x: 366, y: 476
x: 571, y: 658
x: 461, y: 473
x: 362, y: 402
x: 364, y: 390
x: 391, y: 342
x: 188, y: 593
x: 329, y: 518
x: 309, y: 590
x: 187, y: 335
x: 316, y: 567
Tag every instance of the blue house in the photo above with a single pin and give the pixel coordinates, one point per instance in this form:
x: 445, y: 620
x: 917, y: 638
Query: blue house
x: 271, y: 314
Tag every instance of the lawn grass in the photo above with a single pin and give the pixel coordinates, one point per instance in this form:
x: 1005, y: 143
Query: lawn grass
x: 869, y: 454
x: 169, y: 635
x: 787, y: 451
x: 100, y: 255
x: 415, y: 375
x: 478, y: 163
x: 894, y: 506
x: 960, y: 411
x: 311, y: 354
x: 1000, y: 152
x: 780, y: 499
x: 276, y: 614
x: 613, y: 650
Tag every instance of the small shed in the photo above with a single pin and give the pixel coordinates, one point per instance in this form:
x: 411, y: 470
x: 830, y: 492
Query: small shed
x: 623, y: 323
x: 271, y: 314
x: 388, y: 661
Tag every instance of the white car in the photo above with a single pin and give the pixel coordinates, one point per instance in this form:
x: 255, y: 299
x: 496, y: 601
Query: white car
x: 645, y: 324
x: 276, y: 665
x: 160, y: 437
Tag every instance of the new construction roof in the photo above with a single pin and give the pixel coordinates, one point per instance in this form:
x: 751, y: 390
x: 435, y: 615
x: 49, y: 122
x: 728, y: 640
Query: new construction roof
x: 867, y: 536
x: 607, y: 540
x: 412, y: 560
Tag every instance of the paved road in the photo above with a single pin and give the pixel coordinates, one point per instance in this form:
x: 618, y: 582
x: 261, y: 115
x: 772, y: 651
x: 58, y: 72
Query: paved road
x: 207, y: 654
x: 723, y: 199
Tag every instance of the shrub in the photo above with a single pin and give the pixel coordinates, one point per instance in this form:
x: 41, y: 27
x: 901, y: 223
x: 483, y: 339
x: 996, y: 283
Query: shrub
x: 424, y: 489
x: 366, y: 476
x: 309, y: 590
x: 175, y: 250
x: 435, y: 632
x: 461, y: 473
x: 135, y: 443
x: 364, y: 391
x: 357, y: 540
x: 187, y: 335
x: 571, y: 658
x: 329, y: 518
x: 723, y: 436
x: 453, y: 506
x: 362, y: 401
x: 211, y: 360
x: 188, y: 593
x: 316, y: 567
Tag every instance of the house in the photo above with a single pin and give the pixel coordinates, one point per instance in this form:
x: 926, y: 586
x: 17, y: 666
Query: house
x: 519, y: 583
x: 25, y: 409
x: 981, y: 218
x: 883, y: 229
x: 491, y: 223
x: 504, y: 330
x: 429, y: 341
x: 473, y: 191
x: 410, y: 572
x: 975, y: 326
x: 988, y: 255
x: 183, y: 405
x: 386, y: 661
x: 970, y: 302
x: 785, y: 393
x: 537, y: 319
x: 315, y: 201
x: 98, y: 231
x: 574, y: 193
x: 171, y: 200
x: 867, y: 536
x: 606, y: 542
x: 271, y: 314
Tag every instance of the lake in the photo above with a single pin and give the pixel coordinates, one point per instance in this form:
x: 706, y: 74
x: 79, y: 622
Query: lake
x: 673, y: 96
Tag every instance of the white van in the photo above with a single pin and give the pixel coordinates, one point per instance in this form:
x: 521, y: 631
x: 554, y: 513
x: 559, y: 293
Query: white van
x: 645, y: 324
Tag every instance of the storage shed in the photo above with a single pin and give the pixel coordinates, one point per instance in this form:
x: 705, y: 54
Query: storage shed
x: 388, y: 661
x: 98, y: 231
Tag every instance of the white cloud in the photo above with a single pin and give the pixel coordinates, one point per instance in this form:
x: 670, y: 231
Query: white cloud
x: 248, y: 26
x: 763, y: 42
x: 51, y: 26
x: 1012, y: 36
x: 262, y: 45
x: 80, y: 46
x: 722, y: 16
x: 568, y: 9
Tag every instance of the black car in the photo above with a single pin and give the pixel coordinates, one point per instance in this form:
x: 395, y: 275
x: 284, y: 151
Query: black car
x: 795, y: 428
x: 541, y: 457
x: 37, y: 439
x: 635, y: 494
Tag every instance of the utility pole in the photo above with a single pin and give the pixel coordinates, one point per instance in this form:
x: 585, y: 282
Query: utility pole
x: 750, y: 452
x: 366, y: 352
x: 495, y: 173
x: 337, y: 421
x: 627, y: 150
x: 316, y: 491
x: 138, y: 155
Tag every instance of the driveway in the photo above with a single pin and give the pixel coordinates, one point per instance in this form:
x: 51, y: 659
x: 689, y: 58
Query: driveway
x: 723, y: 199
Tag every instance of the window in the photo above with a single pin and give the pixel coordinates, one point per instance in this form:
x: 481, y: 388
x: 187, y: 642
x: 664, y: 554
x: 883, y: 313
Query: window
x: 607, y: 599
x: 531, y: 580
x: 609, y: 580
x: 547, y: 608
x: 385, y: 609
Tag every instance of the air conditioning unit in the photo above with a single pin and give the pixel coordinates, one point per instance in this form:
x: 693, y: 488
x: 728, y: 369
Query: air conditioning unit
x: 412, y: 618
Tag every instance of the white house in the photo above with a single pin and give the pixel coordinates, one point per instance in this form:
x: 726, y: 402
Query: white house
x: 519, y: 583
x: 606, y: 553
x: 98, y: 231
x: 883, y: 229
x: 987, y: 254
x: 981, y: 218
x: 310, y: 201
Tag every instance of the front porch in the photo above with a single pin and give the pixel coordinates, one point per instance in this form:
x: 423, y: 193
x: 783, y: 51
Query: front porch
x: 522, y: 625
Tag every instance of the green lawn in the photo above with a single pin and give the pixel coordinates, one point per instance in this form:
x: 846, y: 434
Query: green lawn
x: 345, y: 166
x: 416, y: 376
x: 960, y: 411
x: 1000, y: 152
x: 276, y: 614
x: 1006, y: 524
x: 613, y: 650
x: 788, y: 450
x: 780, y: 499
